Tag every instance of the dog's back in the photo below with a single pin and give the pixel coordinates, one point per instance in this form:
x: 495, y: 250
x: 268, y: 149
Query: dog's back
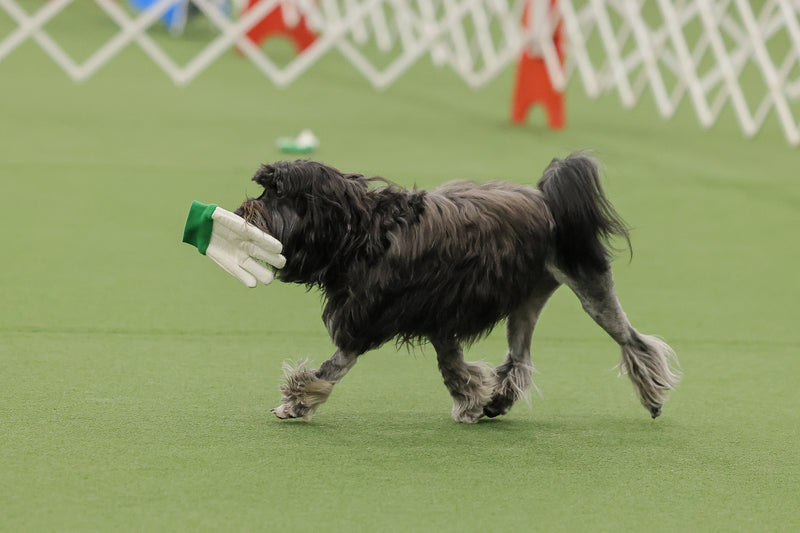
x: 476, y: 253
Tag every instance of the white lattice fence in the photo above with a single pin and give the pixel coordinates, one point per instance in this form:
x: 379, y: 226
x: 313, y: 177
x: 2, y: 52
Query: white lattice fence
x: 717, y: 54
x: 712, y: 52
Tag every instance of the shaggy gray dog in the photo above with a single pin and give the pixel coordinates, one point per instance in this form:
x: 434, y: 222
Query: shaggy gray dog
x: 447, y: 265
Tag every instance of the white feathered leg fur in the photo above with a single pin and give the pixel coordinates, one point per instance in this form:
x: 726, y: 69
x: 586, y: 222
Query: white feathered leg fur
x: 648, y: 361
x: 473, y: 392
x: 302, y: 392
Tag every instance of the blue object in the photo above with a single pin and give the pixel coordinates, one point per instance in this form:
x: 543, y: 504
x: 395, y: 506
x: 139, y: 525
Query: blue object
x: 174, y: 18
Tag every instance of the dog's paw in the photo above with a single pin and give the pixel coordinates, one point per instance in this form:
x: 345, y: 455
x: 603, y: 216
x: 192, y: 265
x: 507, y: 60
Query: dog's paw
x: 474, y: 394
x: 513, y: 383
x: 466, y: 417
x: 302, y: 393
x: 286, y: 411
x: 497, y: 407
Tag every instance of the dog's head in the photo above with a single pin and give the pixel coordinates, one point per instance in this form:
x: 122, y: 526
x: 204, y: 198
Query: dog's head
x: 279, y: 210
x: 311, y: 208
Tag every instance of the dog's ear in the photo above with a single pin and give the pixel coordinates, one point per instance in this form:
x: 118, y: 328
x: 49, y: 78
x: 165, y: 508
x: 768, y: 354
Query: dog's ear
x: 305, y: 178
x: 264, y: 176
x: 272, y: 178
x: 286, y: 178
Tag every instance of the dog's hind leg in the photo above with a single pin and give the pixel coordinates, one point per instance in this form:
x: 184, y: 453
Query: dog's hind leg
x: 513, y: 376
x: 469, y: 383
x: 646, y: 359
x: 305, y: 390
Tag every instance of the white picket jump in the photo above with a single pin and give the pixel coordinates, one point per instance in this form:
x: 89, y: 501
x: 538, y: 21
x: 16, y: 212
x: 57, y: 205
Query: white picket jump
x: 611, y: 46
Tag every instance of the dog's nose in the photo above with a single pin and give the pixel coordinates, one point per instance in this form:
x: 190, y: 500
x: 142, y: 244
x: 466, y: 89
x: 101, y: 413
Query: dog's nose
x: 239, y: 212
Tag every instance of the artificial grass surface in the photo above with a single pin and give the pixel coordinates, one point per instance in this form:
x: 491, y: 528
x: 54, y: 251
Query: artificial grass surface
x: 137, y: 377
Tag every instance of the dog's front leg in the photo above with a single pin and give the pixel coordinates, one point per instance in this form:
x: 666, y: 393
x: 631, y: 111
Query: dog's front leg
x: 469, y: 383
x: 305, y: 390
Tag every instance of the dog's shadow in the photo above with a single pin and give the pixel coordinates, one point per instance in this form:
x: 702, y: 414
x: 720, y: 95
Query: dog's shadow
x: 421, y: 430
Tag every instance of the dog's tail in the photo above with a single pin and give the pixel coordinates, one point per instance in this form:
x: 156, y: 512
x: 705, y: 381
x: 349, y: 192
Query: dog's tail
x: 584, y: 219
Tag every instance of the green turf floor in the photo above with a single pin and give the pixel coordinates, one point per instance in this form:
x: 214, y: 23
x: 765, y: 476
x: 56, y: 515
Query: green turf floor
x: 136, y: 377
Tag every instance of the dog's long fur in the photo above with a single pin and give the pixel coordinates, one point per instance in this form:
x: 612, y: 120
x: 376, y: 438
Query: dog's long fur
x: 447, y: 265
